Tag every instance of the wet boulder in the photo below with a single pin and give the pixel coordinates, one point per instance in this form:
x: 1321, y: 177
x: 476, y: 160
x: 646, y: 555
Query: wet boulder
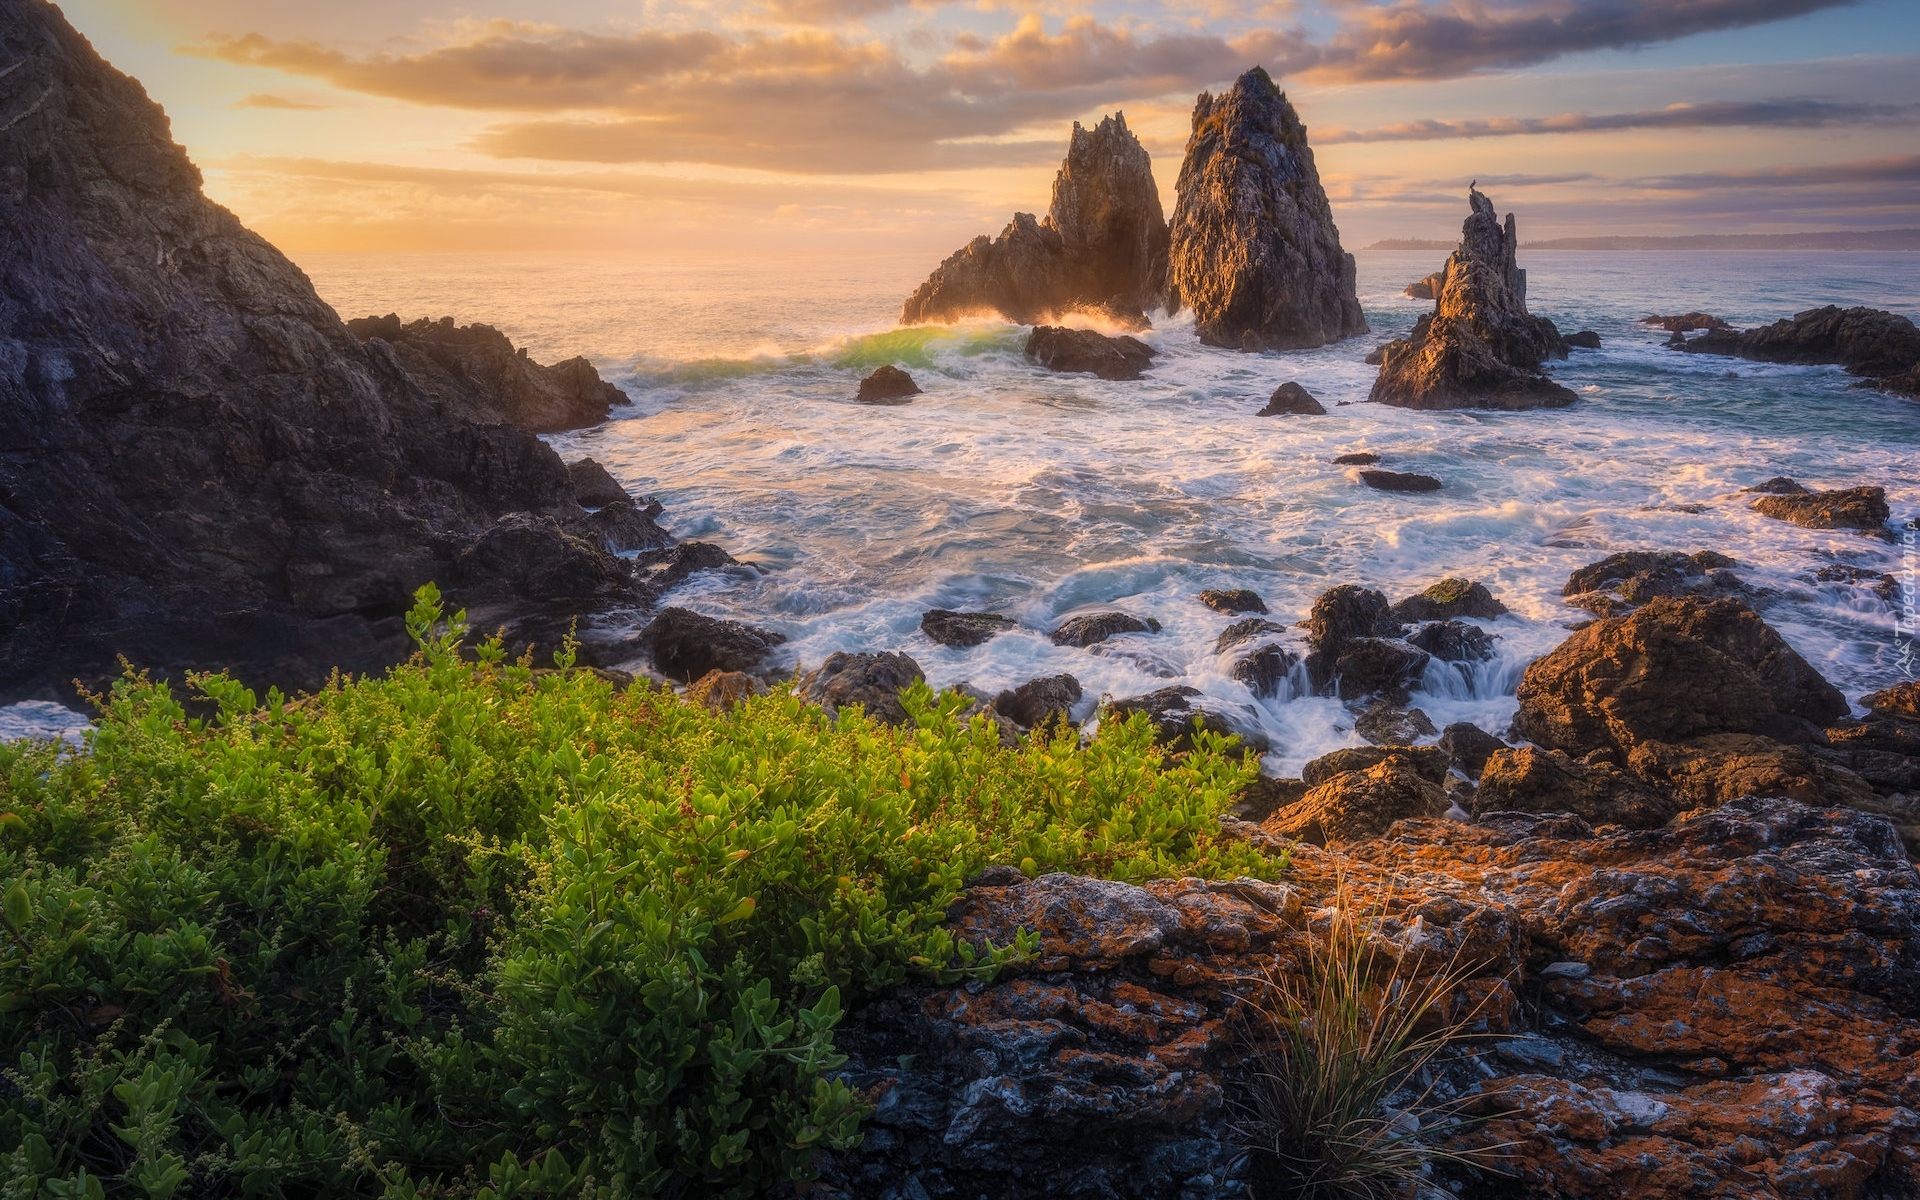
x: 593, y: 486
x: 689, y: 645
x: 1290, y: 399
x: 1175, y: 717
x: 1528, y: 779
x: 1621, y: 582
x: 1586, y: 339
x: 1359, y: 805
x: 1264, y: 670
x: 962, y: 629
x: 1233, y: 601
x: 1093, y: 628
x: 670, y: 568
x: 1469, y: 746
x: 1386, y: 724
x: 621, y: 527
x: 887, y: 384
x: 1864, y: 341
x: 1073, y: 351
x: 1450, y: 598
x: 1243, y: 631
x: 1039, y: 702
x: 1453, y: 641
x: 1399, y: 481
x: 1686, y: 322
x: 1863, y: 508
x: 1357, y: 458
x: 872, y: 681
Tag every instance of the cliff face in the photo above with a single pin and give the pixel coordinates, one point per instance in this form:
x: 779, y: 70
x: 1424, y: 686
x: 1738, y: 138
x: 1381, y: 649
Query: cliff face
x: 1479, y: 348
x: 475, y: 371
x: 1103, y: 244
x: 199, y: 465
x: 1255, y: 252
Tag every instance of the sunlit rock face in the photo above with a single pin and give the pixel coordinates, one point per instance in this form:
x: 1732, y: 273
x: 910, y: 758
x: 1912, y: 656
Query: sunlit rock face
x: 1102, y: 246
x: 1255, y: 252
x: 1479, y: 347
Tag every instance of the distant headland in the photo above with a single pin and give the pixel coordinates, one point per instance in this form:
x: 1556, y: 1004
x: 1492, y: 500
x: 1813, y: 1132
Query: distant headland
x: 1850, y: 239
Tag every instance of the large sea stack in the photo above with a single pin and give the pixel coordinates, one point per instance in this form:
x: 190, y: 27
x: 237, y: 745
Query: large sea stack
x: 1102, y: 246
x: 1479, y: 347
x: 1255, y: 252
x: 199, y: 465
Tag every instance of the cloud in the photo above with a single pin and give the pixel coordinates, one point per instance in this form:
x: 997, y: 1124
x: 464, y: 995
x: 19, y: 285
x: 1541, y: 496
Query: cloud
x: 1793, y: 113
x: 268, y: 100
x: 1897, y: 172
x: 1412, y: 40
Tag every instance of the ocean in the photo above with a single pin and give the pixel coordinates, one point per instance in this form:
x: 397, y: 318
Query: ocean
x: 1040, y: 496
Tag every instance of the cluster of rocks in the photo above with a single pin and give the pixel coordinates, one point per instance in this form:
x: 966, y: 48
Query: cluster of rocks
x: 1881, y: 347
x: 1861, y: 508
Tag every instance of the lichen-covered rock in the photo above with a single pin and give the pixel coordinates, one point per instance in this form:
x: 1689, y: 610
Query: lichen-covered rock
x: 475, y: 371
x: 1527, y: 779
x: 1102, y: 245
x: 1355, y: 805
x: 1479, y: 347
x: 873, y: 681
x: 1429, y: 762
x: 1452, y: 597
x: 1255, y: 253
x: 1673, y: 670
x: 690, y: 645
x: 1863, y: 508
x: 1706, y: 772
x: 723, y: 690
x: 1865, y: 341
x: 886, y: 384
x: 1085, y: 350
x: 1290, y: 399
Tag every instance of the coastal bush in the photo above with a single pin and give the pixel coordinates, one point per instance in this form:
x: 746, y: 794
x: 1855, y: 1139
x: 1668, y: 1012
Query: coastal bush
x: 479, y: 929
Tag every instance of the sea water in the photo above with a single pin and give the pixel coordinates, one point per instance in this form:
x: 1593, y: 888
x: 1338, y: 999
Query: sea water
x: 1007, y: 488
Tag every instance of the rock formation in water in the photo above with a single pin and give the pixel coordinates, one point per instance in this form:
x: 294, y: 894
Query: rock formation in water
x: 1255, y: 253
x: 1427, y: 287
x: 1479, y: 348
x: 1864, y: 341
x: 1290, y: 399
x: 199, y: 465
x: 1072, y: 351
x: 1102, y: 246
x: 475, y: 371
x: 887, y: 384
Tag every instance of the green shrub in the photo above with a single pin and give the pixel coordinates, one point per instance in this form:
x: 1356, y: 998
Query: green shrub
x: 476, y: 929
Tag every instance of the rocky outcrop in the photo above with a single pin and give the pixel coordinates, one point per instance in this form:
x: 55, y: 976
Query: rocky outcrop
x: 1400, y: 481
x: 1905, y: 384
x: 1620, y: 583
x: 1290, y: 399
x: 1093, y: 628
x: 1863, y: 508
x: 1357, y: 805
x: 887, y: 384
x: 1453, y: 641
x: 1255, y: 253
x: 1039, y: 702
x: 873, y: 681
x: 1083, y: 350
x: 1102, y: 246
x: 1352, y: 646
x: 1243, y: 631
x: 1233, y: 601
x: 1451, y: 598
x: 1426, y: 287
x: 949, y: 628
x: 1528, y: 779
x: 593, y: 486
x: 1863, y: 341
x: 200, y: 467
x: 687, y: 645
x: 1479, y: 347
x: 474, y: 370
x: 1686, y: 322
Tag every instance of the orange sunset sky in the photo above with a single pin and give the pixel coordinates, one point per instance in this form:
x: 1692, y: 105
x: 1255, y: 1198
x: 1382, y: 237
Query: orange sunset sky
x: 754, y: 125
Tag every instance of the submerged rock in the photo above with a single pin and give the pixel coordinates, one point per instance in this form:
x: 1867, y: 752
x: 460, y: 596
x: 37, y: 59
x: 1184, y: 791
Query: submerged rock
x: 1255, y: 252
x: 1864, y: 341
x: 1686, y: 322
x: 475, y: 371
x: 1074, y: 350
x: 688, y: 645
x: 1102, y: 246
x: 887, y: 384
x: 873, y: 681
x: 1290, y: 399
x: 1480, y: 347
x: 1092, y: 628
x: 1863, y: 508
x: 1399, y: 481
x: 1241, y: 632
x: 964, y: 628
x: 1453, y: 641
x: 1233, y: 600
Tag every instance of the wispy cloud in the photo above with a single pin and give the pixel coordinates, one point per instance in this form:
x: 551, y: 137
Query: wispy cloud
x: 283, y: 103
x: 1790, y: 113
x: 1899, y: 171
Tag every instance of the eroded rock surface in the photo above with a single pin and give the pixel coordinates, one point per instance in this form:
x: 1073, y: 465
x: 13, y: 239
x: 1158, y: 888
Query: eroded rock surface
x: 1102, y: 245
x: 1480, y: 347
x: 1863, y: 508
x: 1290, y: 399
x: 1255, y: 253
x: 873, y: 681
x: 688, y: 645
x: 475, y: 371
x: 1864, y: 341
x: 887, y: 384
x: 1085, y: 350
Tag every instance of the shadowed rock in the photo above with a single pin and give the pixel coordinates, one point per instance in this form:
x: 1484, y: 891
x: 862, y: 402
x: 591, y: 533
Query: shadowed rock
x: 1399, y: 481
x: 1083, y: 350
x: 593, y: 487
x: 1863, y: 508
x: 1453, y: 641
x: 1233, y: 600
x: 1039, y: 701
x: 475, y: 371
x: 1864, y: 341
x: 1429, y: 762
x: 1528, y: 779
x: 1290, y: 399
x: 1098, y: 627
x: 687, y: 645
x: 1586, y: 339
x: 1450, y: 598
x: 1470, y: 746
x: 1255, y: 252
x: 1102, y: 246
x: 963, y: 628
x: 887, y: 384
x: 873, y: 681
x: 1479, y: 348
x: 1686, y: 322
x: 1264, y: 669
x: 1358, y: 458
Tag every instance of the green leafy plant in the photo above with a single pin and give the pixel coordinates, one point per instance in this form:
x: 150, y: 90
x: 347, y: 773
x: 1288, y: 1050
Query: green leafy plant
x: 1336, y: 1109
x: 479, y: 929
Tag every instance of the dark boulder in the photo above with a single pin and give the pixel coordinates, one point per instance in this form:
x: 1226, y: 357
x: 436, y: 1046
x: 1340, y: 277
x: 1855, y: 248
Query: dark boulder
x: 1686, y: 322
x: 621, y: 527
x: 1586, y: 339
x: 1093, y: 628
x: 1863, y: 508
x: 1058, y: 348
x: 593, y: 486
x: 1453, y: 641
x: 475, y: 371
x: 1290, y: 399
x: 950, y: 628
x: 1399, y: 481
x: 1528, y: 779
x: 1241, y: 632
x: 1234, y: 600
x: 1480, y: 347
x: 1864, y: 341
x: 686, y: 645
x: 887, y: 384
x: 1102, y: 246
x: 1425, y: 288
x: 1358, y: 458
x: 1349, y: 611
x: 1255, y: 252
x: 1039, y: 702
x: 1175, y: 718
x: 1373, y: 666
x: 1622, y: 582
x: 1386, y: 724
x: 1469, y: 746
x: 1450, y: 598
x: 1264, y: 670
x: 529, y: 554
x: 670, y: 568
x: 1779, y: 485
x: 873, y: 681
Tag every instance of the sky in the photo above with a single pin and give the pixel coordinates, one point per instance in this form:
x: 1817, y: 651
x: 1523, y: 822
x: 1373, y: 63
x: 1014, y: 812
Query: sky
x: 728, y: 127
